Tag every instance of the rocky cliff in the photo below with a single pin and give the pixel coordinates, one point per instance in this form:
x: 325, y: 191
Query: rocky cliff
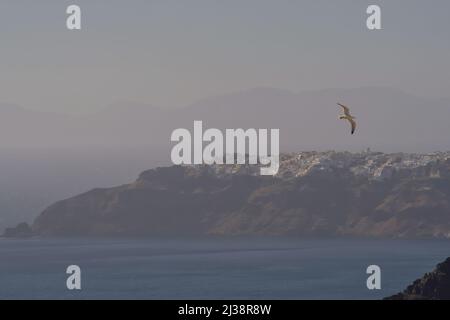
x: 328, y: 193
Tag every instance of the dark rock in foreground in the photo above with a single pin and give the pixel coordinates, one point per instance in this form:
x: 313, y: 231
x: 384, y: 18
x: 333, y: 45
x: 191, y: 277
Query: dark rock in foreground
x: 432, y: 286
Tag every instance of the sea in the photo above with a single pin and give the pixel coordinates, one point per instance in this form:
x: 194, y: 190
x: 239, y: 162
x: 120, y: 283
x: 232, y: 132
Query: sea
x: 213, y: 268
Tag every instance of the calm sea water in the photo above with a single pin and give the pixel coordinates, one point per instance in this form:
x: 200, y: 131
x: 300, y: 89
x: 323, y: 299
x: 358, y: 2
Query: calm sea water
x: 212, y: 268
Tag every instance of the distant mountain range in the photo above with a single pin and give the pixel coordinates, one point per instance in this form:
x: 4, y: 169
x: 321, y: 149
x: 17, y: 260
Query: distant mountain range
x: 366, y: 194
x: 389, y: 120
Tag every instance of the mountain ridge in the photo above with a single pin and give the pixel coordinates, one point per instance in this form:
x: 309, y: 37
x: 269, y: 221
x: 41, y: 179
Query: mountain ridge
x: 307, y: 120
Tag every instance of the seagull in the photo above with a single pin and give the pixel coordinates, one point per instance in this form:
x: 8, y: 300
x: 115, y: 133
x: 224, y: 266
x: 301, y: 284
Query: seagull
x: 348, y: 116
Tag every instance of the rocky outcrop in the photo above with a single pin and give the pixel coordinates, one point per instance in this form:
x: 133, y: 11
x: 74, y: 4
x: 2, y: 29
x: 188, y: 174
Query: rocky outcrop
x: 432, y: 286
x: 333, y: 194
x: 22, y: 230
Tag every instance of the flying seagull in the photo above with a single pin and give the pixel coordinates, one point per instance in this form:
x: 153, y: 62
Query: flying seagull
x: 348, y: 116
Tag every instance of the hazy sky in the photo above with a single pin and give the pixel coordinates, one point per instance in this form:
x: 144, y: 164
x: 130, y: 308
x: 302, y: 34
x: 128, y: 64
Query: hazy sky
x: 171, y: 53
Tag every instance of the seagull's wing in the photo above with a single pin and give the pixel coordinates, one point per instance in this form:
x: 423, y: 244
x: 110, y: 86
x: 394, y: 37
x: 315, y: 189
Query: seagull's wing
x: 346, y: 109
x: 353, y: 123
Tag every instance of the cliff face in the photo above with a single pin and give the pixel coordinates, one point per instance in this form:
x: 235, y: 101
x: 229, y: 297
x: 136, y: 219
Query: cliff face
x: 432, y: 286
x: 175, y: 201
x: 340, y: 194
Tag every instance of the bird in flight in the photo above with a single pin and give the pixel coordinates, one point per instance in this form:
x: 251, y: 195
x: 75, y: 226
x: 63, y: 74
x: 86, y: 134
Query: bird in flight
x: 347, y: 116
